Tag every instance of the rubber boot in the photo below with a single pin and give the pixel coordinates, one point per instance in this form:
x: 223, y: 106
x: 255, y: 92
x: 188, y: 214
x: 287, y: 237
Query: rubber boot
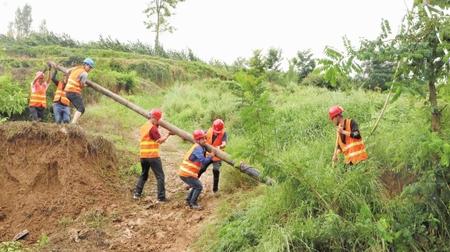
x: 195, y: 194
x: 216, y: 175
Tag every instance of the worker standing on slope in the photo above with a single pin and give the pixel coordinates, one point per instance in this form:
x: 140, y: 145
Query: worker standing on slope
x: 150, y: 157
x: 348, y: 138
x: 38, y: 97
x: 61, y: 109
x: 77, y: 79
x: 217, y: 137
x: 193, y: 160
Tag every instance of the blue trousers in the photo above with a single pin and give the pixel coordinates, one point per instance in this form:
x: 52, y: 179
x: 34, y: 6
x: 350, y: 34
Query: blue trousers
x: 61, y: 113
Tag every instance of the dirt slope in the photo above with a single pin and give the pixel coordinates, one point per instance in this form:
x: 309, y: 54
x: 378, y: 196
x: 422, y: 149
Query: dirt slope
x: 68, y: 186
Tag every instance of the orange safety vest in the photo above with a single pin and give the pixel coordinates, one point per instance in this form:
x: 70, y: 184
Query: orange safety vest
x: 187, y: 167
x: 217, y: 141
x: 60, y: 95
x: 73, y: 83
x: 149, y: 148
x: 353, y: 149
x: 38, y: 98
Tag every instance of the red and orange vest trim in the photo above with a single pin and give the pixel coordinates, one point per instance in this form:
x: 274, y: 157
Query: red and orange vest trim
x: 187, y: 167
x: 217, y: 141
x: 60, y: 95
x: 353, y: 149
x: 38, y: 98
x: 73, y: 83
x: 149, y: 148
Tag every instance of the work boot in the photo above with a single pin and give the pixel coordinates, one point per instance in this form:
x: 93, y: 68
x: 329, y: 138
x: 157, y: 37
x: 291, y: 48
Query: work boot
x: 136, y: 196
x: 195, y: 207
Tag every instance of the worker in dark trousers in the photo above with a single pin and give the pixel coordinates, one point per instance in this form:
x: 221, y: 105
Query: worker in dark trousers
x: 75, y: 84
x: 217, y: 137
x: 150, y: 141
x: 348, y: 138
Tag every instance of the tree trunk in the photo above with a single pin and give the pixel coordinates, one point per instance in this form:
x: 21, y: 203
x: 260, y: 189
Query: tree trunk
x: 435, y: 113
x: 158, y: 14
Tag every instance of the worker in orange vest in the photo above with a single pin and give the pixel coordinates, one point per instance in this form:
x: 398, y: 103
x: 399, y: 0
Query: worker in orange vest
x: 38, y: 97
x: 61, y: 109
x: 193, y: 160
x: 77, y: 80
x: 150, y: 140
x: 348, y: 138
x: 217, y: 137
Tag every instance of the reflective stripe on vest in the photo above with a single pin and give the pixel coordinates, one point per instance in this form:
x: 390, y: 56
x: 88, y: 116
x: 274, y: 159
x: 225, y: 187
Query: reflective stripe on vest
x: 38, y: 98
x: 73, y: 83
x: 60, y: 95
x: 148, y: 147
x: 187, y: 167
x: 354, y: 149
x: 217, y: 141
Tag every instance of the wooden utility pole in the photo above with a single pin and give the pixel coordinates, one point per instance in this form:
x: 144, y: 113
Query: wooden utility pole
x: 252, y: 172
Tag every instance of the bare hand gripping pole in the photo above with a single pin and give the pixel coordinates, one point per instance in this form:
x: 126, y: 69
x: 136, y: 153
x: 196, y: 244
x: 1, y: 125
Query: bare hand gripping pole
x: 244, y: 168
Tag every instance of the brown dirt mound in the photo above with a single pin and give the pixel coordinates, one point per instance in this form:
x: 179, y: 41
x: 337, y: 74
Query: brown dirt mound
x: 47, y: 175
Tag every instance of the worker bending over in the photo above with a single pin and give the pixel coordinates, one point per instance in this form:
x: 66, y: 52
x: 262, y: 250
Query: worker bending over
x: 193, y: 160
x: 348, y: 138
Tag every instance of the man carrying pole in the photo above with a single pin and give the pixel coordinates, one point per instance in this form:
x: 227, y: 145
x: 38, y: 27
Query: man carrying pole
x: 150, y: 140
x: 77, y: 80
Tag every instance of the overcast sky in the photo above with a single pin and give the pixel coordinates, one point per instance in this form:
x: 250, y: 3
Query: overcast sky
x: 220, y: 29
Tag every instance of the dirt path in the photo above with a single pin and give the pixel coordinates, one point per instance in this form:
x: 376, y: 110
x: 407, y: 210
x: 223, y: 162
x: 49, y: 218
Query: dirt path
x: 147, y: 226
x: 144, y: 225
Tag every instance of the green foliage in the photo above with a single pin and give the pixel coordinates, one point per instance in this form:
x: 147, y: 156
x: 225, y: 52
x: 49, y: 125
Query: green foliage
x: 11, y: 246
x: 317, y: 208
x: 303, y: 63
x: 13, y: 99
x: 256, y: 112
x: 338, y: 66
x: 43, y: 241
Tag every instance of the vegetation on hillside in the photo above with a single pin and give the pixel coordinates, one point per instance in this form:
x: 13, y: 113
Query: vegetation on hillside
x: 398, y: 200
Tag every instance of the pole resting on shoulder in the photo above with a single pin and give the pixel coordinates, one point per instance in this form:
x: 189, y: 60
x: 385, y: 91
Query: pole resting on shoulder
x: 250, y: 171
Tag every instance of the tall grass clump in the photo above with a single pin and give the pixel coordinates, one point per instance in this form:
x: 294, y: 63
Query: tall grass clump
x: 396, y: 200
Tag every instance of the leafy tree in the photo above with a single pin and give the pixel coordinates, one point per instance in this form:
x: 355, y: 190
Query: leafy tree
x: 23, y: 21
x: 272, y: 61
x: 158, y: 12
x: 303, y: 63
x: 256, y: 63
x: 338, y: 66
x: 426, y: 62
x: 377, y: 59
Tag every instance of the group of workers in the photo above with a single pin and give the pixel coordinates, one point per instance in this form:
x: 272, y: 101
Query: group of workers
x: 195, y: 162
x: 197, y: 159
x: 68, y: 91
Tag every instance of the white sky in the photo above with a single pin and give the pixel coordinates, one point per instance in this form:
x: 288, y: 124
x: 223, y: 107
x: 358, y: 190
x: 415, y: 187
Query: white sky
x: 221, y: 29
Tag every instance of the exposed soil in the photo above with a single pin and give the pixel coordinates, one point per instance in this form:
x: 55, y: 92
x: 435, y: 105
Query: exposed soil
x: 68, y: 186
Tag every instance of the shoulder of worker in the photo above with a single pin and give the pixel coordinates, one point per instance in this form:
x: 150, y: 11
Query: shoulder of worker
x: 83, y: 77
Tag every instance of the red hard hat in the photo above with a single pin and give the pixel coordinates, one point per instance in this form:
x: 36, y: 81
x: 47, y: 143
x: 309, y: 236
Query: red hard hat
x: 198, y: 134
x: 218, y: 125
x: 156, y: 113
x: 335, y: 111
